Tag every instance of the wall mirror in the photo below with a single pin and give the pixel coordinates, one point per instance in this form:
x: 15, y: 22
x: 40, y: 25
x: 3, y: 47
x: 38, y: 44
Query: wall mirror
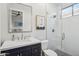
x: 17, y: 21
x: 20, y: 17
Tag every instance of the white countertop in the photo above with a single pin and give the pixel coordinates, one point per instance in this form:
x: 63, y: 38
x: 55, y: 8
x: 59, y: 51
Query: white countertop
x: 18, y: 43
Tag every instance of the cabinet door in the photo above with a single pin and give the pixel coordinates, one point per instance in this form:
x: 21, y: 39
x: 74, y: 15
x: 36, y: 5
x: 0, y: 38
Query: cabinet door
x: 25, y: 51
x: 36, y: 50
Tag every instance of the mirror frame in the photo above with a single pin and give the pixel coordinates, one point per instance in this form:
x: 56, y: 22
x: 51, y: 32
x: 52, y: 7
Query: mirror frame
x: 10, y: 19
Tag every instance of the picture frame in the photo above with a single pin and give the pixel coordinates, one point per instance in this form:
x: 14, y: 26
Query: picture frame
x: 40, y: 22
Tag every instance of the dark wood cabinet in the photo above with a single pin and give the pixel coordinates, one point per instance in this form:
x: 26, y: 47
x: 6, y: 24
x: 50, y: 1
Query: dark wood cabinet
x: 11, y: 52
x: 31, y: 50
x: 36, y: 50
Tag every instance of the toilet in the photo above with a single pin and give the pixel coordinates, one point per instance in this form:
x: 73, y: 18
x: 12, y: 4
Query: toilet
x: 45, y: 50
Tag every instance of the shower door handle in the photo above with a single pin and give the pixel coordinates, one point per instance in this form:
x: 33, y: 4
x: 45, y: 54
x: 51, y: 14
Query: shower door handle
x: 63, y: 36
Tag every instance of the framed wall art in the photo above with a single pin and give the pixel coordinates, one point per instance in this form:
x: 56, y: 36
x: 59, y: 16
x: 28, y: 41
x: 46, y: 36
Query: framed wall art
x: 40, y: 22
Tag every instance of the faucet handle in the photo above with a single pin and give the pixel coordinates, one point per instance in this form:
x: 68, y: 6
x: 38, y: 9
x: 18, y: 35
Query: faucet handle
x: 13, y: 37
x: 18, y: 38
x: 24, y: 37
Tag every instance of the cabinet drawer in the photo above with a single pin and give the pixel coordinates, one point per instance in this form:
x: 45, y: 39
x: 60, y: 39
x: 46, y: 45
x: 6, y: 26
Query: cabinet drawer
x: 12, y: 54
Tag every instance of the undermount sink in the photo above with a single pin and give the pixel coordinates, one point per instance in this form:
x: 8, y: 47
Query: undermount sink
x: 26, y: 40
x: 18, y: 43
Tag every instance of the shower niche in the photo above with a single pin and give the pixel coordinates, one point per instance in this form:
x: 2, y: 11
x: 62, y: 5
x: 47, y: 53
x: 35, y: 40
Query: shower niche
x: 19, y: 18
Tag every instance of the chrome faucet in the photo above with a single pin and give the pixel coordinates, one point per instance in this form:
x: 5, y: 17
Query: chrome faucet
x: 22, y: 36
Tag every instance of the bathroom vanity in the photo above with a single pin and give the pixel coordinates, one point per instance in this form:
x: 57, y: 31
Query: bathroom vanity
x: 22, y: 48
x: 19, y: 21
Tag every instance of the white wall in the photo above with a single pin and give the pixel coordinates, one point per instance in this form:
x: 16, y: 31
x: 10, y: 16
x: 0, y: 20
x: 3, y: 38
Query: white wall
x: 0, y: 24
x: 4, y: 23
x: 38, y: 9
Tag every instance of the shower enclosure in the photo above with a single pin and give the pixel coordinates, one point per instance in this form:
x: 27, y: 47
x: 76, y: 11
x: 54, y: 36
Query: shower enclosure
x: 63, y: 33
